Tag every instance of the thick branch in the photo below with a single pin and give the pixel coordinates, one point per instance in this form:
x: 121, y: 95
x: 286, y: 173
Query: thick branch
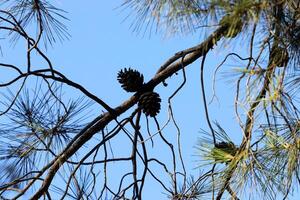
x: 249, y: 125
x: 250, y: 119
x: 167, y: 70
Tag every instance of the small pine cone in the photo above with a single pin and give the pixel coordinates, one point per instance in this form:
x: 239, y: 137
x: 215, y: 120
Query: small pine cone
x: 224, y: 151
x: 279, y: 56
x: 227, y: 147
x: 150, y: 103
x: 130, y: 80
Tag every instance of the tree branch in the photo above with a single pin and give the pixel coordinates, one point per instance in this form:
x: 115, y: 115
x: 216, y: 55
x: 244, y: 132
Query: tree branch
x: 167, y: 70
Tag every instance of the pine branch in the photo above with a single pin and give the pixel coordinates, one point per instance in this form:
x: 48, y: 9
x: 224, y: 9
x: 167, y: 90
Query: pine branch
x: 100, y: 122
x: 250, y: 115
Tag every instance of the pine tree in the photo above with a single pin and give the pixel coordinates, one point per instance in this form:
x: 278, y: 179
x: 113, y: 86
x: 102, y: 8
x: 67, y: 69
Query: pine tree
x: 46, y: 138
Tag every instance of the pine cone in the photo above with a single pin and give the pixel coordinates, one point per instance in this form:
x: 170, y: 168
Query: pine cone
x: 227, y: 147
x: 150, y: 103
x: 223, y: 151
x: 279, y: 56
x: 130, y: 80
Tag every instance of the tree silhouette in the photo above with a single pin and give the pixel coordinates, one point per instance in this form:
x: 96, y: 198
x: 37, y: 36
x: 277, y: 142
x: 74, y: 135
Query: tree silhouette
x: 48, y: 138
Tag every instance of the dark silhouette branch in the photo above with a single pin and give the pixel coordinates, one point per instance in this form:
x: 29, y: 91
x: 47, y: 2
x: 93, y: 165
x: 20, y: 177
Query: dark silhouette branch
x: 100, y: 122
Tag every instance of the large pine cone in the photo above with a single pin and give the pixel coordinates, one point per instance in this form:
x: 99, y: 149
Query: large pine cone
x: 130, y: 80
x: 149, y: 102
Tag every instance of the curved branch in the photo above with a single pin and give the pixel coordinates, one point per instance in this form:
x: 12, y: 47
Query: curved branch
x: 100, y: 122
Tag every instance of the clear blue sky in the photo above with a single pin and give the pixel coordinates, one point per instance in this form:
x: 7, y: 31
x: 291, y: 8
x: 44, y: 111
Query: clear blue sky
x: 102, y: 43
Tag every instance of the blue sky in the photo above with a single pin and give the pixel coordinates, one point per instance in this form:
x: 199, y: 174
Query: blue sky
x: 102, y: 43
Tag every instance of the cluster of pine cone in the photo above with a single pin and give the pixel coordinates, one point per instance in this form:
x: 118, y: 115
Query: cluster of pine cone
x: 133, y: 81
